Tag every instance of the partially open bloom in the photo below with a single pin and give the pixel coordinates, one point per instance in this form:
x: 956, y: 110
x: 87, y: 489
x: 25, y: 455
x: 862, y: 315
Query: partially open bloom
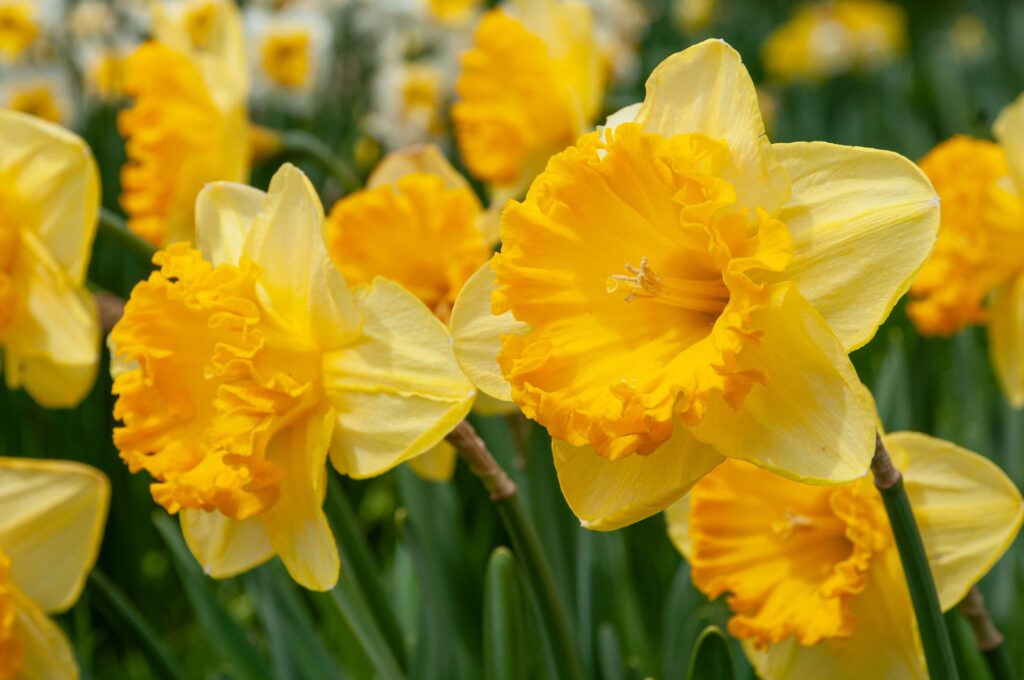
x: 240, y: 364
x: 980, y: 250
x: 187, y: 125
x: 51, y: 522
x: 531, y: 84
x: 813, y: 575
x: 829, y: 38
x: 675, y: 289
x: 49, y: 200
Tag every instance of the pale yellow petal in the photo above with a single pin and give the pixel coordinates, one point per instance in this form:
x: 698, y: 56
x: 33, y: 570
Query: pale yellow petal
x: 677, y: 519
x: 610, y: 494
x: 437, y: 464
x: 809, y: 421
x: 968, y: 510
x: 46, y: 651
x: 883, y: 647
x: 863, y: 222
x: 1009, y: 130
x: 296, y: 273
x: 397, y: 389
x: 296, y: 524
x: 52, y: 171
x: 51, y: 522
x: 225, y: 546
x: 626, y: 114
x: 486, y: 405
x: 706, y: 89
x: 53, y: 348
x: 225, y: 211
x: 476, y: 334
x: 424, y: 158
x: 1006, y: 339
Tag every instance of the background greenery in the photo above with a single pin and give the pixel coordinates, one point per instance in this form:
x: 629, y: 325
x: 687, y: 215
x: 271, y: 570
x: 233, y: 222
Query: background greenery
x: 632, y: 607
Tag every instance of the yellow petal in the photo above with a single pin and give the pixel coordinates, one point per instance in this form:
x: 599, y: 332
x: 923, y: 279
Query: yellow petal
x: 425, y: 158
x: 609, y: 494
x: 1006, y: 339
x: 626, y: 114
x: 46, y: 652
x: 883, y: 646
x: 51, y: 522
x: 809, y: 421
x: 968, y: 510
x: 486, y: 405
x: 1009, y: 130
x: 302, y: 284
x: 397, y: 389
x: 437, y: 464
x: 677, y: 519
x: 296, y: 524
x: 706, y: 89
x: 53, y: 171
x: 863, y: 222
x: 224, y: 546
x: 476, y: 334
x: 54, y: 347
x: 225, y: 211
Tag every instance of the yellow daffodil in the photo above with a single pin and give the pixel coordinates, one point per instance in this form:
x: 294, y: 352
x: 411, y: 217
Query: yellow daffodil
x: 676, y: 290
x: 51, y: 522
x: 453, y: 11
x: 187, y: 125
x: 241, y: 364
x: 413, y: 198
x: 691, y: 16
x: 980, y: 250
x: 49, y: 200
x: 530, y: 84
x: 813, y: 575
x: 19, y: 27
x: 828, y: 38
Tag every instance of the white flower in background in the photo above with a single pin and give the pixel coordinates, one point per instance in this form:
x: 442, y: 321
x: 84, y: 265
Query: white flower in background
x: 42, y: 91
x: 289, y: 52
x: 26, y: 26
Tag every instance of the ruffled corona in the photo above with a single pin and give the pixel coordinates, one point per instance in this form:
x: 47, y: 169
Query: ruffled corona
x: 381, y: 232
x: 626, y: 243
x: 231, y: 379
x: 9, y: 244
x: 790, y: 556
x: 285, y: 58
x: 981, y: 239
x: 10, y: 646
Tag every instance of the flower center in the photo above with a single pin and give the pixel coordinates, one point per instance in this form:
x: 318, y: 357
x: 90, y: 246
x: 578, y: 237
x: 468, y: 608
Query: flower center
x: 10, y: 645
x: 37, y: 101
x: 698, y: 296
x: 18, y: 28
x: 211, y: 378
x: 285, y: 58
x: 790, y: 556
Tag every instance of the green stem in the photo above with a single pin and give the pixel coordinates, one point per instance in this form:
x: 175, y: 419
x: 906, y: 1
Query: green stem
x: 353, y: 607
x: 526, y: 545
x: 938, y: 650
x: 113, y: 227
x: 302, y: 143
x: 149, y: 641
x: 988, y: 637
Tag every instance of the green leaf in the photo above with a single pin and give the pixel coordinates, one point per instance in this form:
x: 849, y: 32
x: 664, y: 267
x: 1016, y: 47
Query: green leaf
x: 710, y: 659
x: 505, y: 655
x: 224, y: 634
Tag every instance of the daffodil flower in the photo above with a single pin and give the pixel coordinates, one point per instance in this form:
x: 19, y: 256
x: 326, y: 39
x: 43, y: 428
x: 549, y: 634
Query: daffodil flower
x: 49, y: 200
x: 187, y: 125
x: 239, y: 365
x: 419, y: 224
x: 676, y: 290
x: 980, y: 250
x: 531, y: 84
x: 51, y: 522
x: 813, y: 575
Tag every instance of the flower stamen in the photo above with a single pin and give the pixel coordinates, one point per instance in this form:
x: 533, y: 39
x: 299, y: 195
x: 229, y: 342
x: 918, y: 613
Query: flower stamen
x: 696, y: 295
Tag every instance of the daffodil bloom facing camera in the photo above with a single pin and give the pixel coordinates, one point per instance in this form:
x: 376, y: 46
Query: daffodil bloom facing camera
x: 976, y: 274
x: 530, y: 84
x: 813, y: 575
x: 676, y: 290
x: 415, y: 198
x: 239, y: 365
x: 49, y: 200
x: 51, y: 522
x: 187, y: 125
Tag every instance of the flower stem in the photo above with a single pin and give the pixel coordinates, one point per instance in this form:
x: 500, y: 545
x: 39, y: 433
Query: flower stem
x: 525, y: 543
x: 990, y: 640
x: 113, y: 227
x: 302, y: 143
x: 938, y: 650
